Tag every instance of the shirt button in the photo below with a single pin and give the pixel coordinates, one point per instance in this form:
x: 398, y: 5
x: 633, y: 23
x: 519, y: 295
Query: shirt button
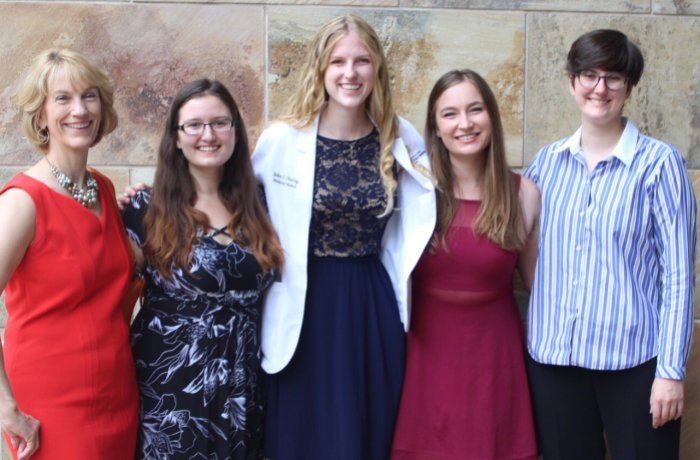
x: 575, y: 282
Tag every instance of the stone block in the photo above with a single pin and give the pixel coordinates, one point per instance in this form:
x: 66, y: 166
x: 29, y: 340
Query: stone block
x: 608, y: 6
x: 119, y: 176
x: 149, y: 50
x: 419, y: 50
x: 385, y: 3
x: 665, y: 104
x: 142, y: 174
x: 680, y: 7
x: 8, y: 172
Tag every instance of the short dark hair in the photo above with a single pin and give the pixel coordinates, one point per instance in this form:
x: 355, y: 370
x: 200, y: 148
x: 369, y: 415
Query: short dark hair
x: 606, y: 49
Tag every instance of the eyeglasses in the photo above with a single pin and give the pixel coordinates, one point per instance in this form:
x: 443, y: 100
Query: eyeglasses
x: 196, y: 128
x: 613, y: 81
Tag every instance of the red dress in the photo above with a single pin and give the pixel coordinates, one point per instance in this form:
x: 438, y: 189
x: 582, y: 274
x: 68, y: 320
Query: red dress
x: 465, y: 393
x: 66, y: 348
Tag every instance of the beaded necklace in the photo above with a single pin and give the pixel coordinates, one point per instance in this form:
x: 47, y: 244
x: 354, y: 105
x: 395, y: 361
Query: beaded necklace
x: 86, y: 196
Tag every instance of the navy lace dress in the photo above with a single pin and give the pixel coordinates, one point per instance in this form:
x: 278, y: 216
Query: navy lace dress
x: 338, y: 397
x: 196, y: 346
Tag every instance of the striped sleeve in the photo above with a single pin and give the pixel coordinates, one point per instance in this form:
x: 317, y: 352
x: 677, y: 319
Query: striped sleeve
x: 674, y: 209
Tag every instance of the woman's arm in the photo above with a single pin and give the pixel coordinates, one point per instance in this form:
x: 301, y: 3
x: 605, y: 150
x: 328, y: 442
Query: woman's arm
x: 139, y: 259
x: 674, y: 211
x: 17, y: 222
x: 529, y: 197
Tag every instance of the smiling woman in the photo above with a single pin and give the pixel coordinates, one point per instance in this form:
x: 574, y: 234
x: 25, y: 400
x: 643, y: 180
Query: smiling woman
x: 206, y: 145
x: 462, y: 123
x: 349, y: 76
x: 617, y: 254
x: 65, y: 267
x: 345, y: 191
x: 71, y: 115
x: 465, y: 391
x: 210, y: 254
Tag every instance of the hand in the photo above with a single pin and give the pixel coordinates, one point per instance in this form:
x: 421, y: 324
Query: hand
x: 666, y: 401
x: 129, y: 191
x: 23, y: 431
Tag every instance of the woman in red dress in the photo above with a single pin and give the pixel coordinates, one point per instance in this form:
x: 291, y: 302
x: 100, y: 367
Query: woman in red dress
x: 465, y: 393
x: 67, y: 384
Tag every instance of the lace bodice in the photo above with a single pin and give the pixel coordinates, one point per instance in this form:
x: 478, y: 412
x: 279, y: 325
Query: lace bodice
x: 348, y: 198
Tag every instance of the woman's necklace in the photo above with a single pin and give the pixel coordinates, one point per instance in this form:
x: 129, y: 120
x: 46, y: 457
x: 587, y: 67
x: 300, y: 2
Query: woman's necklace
x: 86, y: 196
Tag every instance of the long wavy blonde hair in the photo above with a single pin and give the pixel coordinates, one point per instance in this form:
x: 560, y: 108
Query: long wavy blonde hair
x: 310, y: 96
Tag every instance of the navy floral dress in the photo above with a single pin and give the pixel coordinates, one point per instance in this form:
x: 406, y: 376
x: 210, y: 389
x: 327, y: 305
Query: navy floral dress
x: 196, y: 346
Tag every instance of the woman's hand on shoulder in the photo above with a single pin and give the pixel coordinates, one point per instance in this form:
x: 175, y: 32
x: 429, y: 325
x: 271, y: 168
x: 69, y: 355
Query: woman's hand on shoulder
x: 124, y: 199
x: 23, y: 431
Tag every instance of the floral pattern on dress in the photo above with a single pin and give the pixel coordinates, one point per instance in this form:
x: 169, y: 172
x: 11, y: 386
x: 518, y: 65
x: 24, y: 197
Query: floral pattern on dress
x: 196, y: 346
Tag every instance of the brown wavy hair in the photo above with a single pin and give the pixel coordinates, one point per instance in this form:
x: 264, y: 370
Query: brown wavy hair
x: 171, y: 221
x: 310, y: 96
x: 499, y: 218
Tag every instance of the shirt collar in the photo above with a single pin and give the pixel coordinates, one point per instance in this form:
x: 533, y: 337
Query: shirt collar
x: 623, y: 151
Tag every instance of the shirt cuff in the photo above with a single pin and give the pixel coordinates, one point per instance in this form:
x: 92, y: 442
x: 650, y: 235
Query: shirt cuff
x: 670, y: 372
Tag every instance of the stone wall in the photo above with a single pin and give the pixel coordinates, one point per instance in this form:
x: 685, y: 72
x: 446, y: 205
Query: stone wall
x: 151, y: 48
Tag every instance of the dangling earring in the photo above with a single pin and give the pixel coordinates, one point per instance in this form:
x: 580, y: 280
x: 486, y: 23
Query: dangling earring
x: 44, y: 136
x: 42, y: 132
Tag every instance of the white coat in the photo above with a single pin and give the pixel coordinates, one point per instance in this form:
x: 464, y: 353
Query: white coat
x: 284, y: 162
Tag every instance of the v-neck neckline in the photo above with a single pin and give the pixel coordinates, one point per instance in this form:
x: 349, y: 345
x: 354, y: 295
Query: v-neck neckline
x: 100, y: 196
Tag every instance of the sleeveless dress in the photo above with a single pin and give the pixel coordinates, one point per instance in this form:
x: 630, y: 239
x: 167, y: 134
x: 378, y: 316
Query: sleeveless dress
x: 66, y: 348
x: 465, y: 395
x: 337, y: 398
x: 196, y: 344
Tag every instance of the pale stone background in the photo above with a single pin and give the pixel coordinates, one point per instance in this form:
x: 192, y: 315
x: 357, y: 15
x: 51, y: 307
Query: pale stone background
x: 151, y: 47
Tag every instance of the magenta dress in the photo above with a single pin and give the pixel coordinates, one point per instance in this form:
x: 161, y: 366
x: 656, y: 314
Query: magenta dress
x: 465, y: 393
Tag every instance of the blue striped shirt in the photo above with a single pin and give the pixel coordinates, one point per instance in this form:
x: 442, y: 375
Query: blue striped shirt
x: 615, y: 276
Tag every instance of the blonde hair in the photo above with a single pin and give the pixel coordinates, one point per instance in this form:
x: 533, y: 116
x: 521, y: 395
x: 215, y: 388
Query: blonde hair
x: 310, y: 96
x: 500, y: 217
x: 82, y: 72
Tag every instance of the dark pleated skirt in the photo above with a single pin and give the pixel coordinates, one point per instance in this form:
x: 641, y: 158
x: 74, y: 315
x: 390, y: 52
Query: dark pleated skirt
x: 338, y: 397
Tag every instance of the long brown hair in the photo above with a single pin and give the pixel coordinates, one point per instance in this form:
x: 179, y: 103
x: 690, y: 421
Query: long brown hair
x: 171, y: 221
x: 310, y: 96
x: 499, y: 218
